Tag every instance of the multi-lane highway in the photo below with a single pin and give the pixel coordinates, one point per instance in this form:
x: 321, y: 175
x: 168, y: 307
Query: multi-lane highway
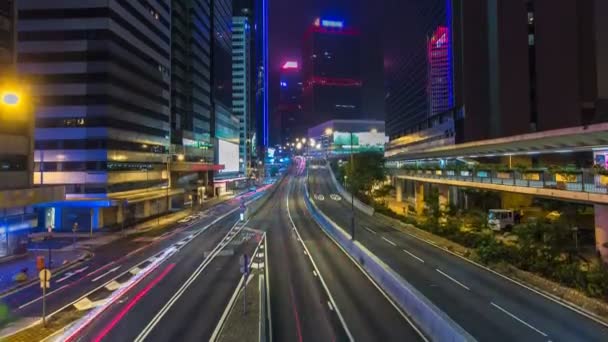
x: 113, y: 261
x: 316, y: 292
x: 486, y: 305
x: 184, y: 298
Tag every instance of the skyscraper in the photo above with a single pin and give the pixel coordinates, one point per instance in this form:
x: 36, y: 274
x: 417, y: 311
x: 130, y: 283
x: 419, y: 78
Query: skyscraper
x: 191, y: 104
x: 408, y: 28
x: 440, y: 76
x: 289, y: 110
x: 331, y: 72
x: 514, y: 67
x: 101, y: 76
x: 241, y: 85
x: 226, y: 124
x: 524, y: 66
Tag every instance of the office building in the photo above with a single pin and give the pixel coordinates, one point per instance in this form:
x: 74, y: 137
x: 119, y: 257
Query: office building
x: 241, y: 85
x: 516, y: 67
x: 539, y: 66
x: 408, y: 29
x: 289, y: 112
x: 261, y: 83
x: 101, y: 79
x: 18, y: 196
x: 331, y: 72
x: 440, y: 76
x: 192, y: 143
x: 226, y: 124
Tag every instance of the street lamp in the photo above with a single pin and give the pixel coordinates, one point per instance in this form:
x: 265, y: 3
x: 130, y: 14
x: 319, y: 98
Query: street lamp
x: 11, y: 98
x: 352, y: 189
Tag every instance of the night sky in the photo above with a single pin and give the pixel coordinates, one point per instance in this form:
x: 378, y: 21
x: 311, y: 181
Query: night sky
x: 290, y: 18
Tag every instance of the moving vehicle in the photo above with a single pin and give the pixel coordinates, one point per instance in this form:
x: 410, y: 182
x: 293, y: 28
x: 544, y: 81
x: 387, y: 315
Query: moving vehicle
x: 501, y: 219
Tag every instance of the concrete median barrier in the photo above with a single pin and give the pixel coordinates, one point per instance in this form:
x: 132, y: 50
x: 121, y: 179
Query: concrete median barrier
x: 433, y: 322
x: 347, y: 196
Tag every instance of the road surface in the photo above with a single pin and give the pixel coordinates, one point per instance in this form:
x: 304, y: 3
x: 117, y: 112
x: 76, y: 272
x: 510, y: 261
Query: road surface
x: 302, y: 307
x: 487, y: 306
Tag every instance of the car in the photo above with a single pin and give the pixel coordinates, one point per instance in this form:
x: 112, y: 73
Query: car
x: 501, y: 219
x: 185, y: 219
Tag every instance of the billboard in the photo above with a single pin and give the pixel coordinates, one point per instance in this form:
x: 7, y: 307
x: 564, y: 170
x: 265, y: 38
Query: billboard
x: 361, y: 141
x: 228, y: 155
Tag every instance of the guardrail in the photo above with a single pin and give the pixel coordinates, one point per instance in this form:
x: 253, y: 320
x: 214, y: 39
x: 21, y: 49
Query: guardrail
x: 347, y: 196
x: 433, y: 322
x: 578, y: 182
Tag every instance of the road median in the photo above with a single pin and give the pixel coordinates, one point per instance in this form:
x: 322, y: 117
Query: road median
x: 433, y: 322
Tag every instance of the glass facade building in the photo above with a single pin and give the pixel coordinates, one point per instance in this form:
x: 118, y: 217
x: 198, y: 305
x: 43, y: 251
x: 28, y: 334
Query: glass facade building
x: 101, y: 75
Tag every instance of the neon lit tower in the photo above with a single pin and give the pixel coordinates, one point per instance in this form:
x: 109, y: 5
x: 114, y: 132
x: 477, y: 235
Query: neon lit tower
x: 440, y: 85
x: 331, y: 72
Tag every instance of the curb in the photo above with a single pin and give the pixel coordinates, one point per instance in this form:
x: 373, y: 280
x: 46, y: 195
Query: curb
x: 84, y: 256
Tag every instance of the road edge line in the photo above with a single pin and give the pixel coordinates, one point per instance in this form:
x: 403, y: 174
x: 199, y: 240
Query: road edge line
x: 314, y: 265
x: 581, y: 311
x: 239, y: 287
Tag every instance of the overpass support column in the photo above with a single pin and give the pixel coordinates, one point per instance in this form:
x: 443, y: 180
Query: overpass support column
x: 444, y: 197
x: 419, y: 197
x: 399, y: 189
x: 601, y: 230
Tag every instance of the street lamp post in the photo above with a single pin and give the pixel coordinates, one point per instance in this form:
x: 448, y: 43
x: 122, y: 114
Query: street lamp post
x: 352, y: 190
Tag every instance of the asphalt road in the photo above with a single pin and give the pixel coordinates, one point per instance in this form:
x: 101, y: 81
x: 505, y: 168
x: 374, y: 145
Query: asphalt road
x: 184, y: 298
x: 108, y: 262
x: 302, y: 308
x: 487, y: 306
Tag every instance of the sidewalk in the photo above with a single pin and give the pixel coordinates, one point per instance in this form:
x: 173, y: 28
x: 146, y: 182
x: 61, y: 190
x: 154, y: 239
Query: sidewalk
x: 9, y: 269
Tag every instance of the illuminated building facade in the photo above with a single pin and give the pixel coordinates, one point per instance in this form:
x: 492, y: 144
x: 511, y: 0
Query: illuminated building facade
x: 331, y: 72
x: 441, y: 86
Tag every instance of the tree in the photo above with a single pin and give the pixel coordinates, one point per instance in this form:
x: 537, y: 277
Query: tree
x: 368, y: 170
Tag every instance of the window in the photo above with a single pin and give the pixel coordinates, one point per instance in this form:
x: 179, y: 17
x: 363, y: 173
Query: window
x: 13, y: 163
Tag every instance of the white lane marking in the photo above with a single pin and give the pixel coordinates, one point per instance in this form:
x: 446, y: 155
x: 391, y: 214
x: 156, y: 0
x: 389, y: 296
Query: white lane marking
x: 39, y: 298
x: 71, y: 274
x: 370, y: 230
x: 389, y: 241
x: 518, y: 319
x: 267, y: 279
x: 388, y: 298
x: 568, y: 305
x: 452, y: 279
x: 331, y: 299
x: 239, y: 287
x: 330, y: 306
x: 314, y: 273
x: 105, y: 274
x: 413, y: 256
x: 146, y: 331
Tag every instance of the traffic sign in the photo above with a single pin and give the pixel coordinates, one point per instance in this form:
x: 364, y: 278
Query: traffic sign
x: 45, y: 277
x: 245, y: 264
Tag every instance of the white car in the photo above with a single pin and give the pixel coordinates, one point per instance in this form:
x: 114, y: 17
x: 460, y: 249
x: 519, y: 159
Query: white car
x: 185, y: 219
